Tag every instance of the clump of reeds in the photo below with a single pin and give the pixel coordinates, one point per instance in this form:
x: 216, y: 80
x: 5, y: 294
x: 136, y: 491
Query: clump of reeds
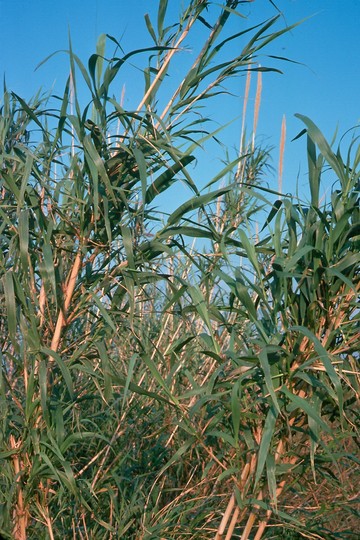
x: 151, y: 386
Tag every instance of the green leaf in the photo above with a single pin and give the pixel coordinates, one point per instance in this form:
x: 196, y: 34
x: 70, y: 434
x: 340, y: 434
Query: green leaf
x: 264, y: 362
x: 103, y: 311
x: 196, y: 202
x: 105, y: 362
x: 318, y: 138
x: 250, y: 251
x: 235, y: 410
x: 130, y: 373
x: 166, y: 179
x: 128, y: 245
x: 30, y: 112
x: 97, y: 169
x: 194, y: 232
x: 274, y: 210
x: 161, y: 17
x: 10, y: 303
x: 265, y: 443
x: 100, y: 50
x: 63, y: 368
x: 202, y: 309
x: 150, y: 28
x: 142, y: 166
x: 24, y: 238
x: 304, y: 405
x: 245, y: 298
x: 271, y: 478
x: 49, y: 266
x: 75, y: 438
x: 178, y: 454
x: 43, y: 375
x: 325, y: 358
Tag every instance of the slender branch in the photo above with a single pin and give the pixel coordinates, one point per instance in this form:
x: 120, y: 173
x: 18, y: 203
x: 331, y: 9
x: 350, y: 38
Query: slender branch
x: 69, y: 290
x: 219, y: 23
x: 166, y: 63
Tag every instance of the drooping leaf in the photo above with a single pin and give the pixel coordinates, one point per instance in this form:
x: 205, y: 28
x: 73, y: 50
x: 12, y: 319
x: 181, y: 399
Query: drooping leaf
x: 194, y: 203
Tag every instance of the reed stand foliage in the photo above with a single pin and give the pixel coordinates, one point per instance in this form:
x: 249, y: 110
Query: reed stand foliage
x: 153, y: 386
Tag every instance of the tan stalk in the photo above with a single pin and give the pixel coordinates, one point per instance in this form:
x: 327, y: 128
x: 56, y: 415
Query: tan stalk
x: 233, y: 522
x: 20, y: 512
x: 246, y: 472
x: 251, y: 519
x: 47, y: 520
x: 42, y: 200
x: 190, y: 105
x: 245, y: 104
x: 69, y: 289
x: 279, y: 453
x: 42, y: 302
x: 89, y: 463
x: 70, y: 284
x: 227, y: 514
x: 304, y: 346
x: 85, y: 527
x: 244, y: 111
x: 242, y: 148
x: 166, y: 63
x: 263, y: 524
x: 185, y: 491
x: 257, y: 106
x: 26, y: 377
x: 219, y: 225
x: 61, y: 321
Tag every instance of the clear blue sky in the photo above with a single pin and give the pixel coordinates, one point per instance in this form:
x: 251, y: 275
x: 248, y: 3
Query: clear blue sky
x: 325, y: 88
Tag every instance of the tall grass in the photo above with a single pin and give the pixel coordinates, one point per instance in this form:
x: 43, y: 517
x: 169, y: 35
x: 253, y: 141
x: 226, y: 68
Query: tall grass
x: 150, y: 389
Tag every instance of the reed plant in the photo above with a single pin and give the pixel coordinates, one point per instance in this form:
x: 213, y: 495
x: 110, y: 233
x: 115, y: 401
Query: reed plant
x: 191, y: 374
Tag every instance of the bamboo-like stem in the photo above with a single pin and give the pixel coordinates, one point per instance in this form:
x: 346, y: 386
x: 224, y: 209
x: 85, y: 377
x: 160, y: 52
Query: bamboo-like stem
x: 278, y: 454
x: 50, y: 529
x: 251, y: 520
x: 264, y: 522
x: 248, y: 468
x: 20, y: 512
x: 226, y: 517
x: 69, y: 289
x: 47, y: 518
x: 42, y: 302
x: 252, y: 517
x: 232, y: 523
